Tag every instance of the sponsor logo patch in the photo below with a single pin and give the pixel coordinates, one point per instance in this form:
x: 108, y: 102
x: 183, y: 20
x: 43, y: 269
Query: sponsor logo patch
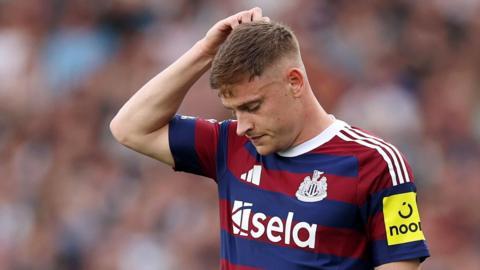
x: 256, y: 225
x: 402, y: 221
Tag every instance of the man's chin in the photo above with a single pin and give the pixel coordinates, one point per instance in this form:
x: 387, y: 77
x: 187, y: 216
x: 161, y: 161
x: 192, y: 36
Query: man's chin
x: 264, y: 149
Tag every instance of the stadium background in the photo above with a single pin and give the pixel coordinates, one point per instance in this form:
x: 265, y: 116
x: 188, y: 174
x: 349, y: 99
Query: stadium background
x: 72, y: 198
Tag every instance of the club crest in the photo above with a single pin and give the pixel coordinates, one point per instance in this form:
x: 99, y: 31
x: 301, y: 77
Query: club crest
x: 313, y: 189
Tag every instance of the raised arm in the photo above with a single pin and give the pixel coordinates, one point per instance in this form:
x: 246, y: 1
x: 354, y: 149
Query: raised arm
x: 142, y: 122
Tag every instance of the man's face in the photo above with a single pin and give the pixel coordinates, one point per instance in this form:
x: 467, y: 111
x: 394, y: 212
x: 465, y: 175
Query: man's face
x: 266, y: 113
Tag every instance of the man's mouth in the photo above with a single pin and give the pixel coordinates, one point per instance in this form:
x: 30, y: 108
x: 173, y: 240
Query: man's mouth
x: 255, y: 139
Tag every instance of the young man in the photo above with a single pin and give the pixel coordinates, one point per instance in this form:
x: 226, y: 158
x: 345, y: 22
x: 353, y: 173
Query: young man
x: 298, y: 189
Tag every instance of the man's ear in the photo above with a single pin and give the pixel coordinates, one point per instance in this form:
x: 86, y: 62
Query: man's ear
x: 296, y: 81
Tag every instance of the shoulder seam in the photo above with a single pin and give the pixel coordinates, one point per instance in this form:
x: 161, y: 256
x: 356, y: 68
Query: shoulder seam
x: 395, y: 163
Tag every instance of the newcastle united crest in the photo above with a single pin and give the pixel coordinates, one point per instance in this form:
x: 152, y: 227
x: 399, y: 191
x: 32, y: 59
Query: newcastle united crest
x: 313, y: 189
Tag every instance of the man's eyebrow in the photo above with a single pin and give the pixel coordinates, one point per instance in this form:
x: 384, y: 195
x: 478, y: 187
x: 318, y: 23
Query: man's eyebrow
x: 245, y: 104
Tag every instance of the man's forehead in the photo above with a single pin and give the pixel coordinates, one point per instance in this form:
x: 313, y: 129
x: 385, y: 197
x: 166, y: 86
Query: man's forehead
x: 236, y: 101
x: 246, y: 87
x: 246, y: 92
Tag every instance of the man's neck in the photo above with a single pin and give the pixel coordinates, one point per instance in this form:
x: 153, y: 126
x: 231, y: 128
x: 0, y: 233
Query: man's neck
x: 316, y: 120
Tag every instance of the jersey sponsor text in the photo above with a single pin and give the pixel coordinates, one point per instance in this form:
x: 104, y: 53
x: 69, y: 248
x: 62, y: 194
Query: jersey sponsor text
x: 276, y: 229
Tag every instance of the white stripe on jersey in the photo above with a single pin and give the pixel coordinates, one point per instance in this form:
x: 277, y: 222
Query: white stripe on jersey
x: 387, y: 159
x: 395, y: 159
x: 381, y: 141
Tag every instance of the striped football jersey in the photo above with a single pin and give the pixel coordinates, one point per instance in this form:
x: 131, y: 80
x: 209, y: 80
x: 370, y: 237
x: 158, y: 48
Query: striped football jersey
x: 345, y: 199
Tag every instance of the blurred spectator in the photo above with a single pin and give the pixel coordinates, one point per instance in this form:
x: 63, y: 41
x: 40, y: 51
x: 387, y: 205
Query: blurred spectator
x: 72, y: 198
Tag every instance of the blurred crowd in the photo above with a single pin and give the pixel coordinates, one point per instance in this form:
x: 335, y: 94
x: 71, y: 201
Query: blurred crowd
x: 73, y: 198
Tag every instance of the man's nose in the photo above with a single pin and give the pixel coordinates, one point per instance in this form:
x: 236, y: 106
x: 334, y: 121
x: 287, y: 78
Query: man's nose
x: 244, y: 124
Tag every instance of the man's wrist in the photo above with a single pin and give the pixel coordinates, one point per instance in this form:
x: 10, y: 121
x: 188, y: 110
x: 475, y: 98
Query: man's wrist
x: 205, y: 49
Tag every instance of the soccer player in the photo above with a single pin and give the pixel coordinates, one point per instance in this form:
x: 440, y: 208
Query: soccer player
x: 298, y: 189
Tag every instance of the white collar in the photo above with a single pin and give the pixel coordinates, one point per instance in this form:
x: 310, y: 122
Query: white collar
x: 324, y: 136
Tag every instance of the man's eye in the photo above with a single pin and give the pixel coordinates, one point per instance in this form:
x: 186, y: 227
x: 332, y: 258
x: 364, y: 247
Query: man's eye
x: 253, y: 108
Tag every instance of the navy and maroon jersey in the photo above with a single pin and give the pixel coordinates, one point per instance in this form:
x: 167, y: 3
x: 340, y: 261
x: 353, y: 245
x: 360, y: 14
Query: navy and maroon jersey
x: 342, y: 200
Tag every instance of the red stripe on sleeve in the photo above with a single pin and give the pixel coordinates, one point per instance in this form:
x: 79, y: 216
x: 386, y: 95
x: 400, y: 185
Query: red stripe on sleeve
x: 376, y: 226
x: 206, y: 141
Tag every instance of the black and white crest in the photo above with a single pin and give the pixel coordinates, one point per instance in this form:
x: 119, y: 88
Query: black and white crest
x: 313, y: 189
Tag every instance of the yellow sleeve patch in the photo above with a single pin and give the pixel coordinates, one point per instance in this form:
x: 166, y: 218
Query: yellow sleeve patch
x: 402, y: 221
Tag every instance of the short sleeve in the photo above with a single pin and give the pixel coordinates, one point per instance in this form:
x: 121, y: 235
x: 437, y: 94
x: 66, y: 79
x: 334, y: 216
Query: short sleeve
x: 193, y: 143
x: 392, y: 218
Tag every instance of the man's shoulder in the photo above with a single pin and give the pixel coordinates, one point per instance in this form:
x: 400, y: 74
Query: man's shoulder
x: 354, y: 141
x: 362, y: 142
x: 374, y: 154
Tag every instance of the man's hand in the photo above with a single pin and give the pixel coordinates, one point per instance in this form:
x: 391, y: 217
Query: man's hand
x: 220, y: 31
x: 142, y: 122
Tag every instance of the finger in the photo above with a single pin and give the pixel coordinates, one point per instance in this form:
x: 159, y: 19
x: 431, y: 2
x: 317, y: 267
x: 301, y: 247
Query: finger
x: 246, y: 17
x: 256, y: 13
x: 235, y: 17
x: 223, y: 25
x: 266, y: 19
x: 234, y: 22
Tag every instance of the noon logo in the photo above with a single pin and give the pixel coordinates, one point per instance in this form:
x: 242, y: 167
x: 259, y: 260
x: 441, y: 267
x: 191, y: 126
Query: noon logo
x: 402, y: 221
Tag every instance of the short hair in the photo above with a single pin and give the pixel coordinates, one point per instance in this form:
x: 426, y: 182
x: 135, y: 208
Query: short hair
x: 249, y: 50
